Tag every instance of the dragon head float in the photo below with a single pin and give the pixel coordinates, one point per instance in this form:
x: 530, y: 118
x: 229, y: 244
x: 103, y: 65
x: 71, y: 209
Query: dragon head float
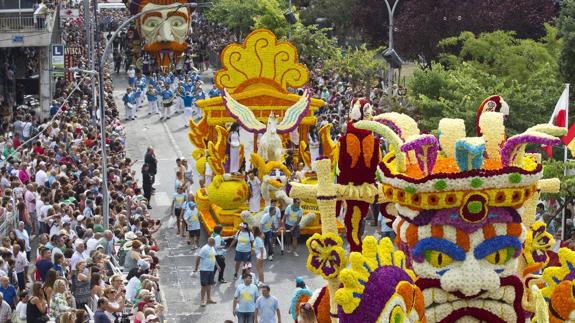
x: 459, y: 206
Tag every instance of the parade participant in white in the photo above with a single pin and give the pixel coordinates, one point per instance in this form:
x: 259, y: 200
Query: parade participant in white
x: 254, y: 184
x: 234, y: 141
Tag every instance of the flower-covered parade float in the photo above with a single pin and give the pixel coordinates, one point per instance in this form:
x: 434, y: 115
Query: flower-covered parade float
x: 255, y: 82
x: 162, y: 31
x: 467, y: 247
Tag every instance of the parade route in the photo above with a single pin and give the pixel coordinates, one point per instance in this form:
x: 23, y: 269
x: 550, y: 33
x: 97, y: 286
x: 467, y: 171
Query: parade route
x: 179, y: 288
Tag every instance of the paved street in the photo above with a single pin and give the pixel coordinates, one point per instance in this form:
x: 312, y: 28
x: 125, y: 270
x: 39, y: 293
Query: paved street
x: 181, y: 291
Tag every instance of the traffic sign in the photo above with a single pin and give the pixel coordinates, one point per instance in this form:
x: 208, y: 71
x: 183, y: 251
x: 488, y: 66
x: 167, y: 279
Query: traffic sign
x: 57, y: 58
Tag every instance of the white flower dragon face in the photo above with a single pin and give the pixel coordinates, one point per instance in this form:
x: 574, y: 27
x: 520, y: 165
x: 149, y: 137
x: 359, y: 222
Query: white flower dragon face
x: 466, y: 269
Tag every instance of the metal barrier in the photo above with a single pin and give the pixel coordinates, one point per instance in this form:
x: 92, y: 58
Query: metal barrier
x: 20, y: 23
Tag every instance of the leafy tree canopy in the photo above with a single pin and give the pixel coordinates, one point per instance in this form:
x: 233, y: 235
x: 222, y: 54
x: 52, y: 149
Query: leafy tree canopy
x: 361, y: 65
x: 338, y: 12
x: 313, y: 44
x: 522, y: 71
x: 243, y: 16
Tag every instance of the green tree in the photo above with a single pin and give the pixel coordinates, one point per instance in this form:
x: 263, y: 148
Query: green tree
x: 361, y: 65
x: 524, y: 72
x: 499, y: 53
x: 313, y: 43
x: 566, y: 25
x: 556, y: 169
x: 338, y: 12
x: 237, y: 16
x: 271, y: 16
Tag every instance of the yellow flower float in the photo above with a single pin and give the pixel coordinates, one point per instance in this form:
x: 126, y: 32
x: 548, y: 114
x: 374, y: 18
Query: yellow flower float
x: 254, y: 81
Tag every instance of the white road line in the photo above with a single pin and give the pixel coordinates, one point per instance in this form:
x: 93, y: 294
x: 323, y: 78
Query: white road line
x: 162, y: 199
x: 172, y: 139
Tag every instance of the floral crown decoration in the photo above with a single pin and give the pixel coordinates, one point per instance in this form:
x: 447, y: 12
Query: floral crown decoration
x: 425, y: 172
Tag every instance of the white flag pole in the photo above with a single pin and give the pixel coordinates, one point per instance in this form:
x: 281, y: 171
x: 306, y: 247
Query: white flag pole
x: 565, y: 161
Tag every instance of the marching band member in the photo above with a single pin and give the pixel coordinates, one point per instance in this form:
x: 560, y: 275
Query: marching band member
x: 167, y: 101
x: 152, y: 100
x: 188, y: 106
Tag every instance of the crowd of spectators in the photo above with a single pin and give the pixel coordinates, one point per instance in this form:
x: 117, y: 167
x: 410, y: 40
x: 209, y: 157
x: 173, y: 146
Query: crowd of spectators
x: 59, y: 260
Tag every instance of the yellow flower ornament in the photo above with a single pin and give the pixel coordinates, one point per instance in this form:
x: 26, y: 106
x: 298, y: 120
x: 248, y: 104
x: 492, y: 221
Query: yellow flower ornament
x: 326, y: 255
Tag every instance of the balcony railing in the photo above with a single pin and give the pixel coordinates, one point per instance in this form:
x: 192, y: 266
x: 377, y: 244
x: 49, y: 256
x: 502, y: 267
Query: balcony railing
x: 25, y: 23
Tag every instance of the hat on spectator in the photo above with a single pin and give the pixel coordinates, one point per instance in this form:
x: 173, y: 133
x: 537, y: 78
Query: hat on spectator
x: 127, y: 245
x: 130, y: 235
x: 151, y: 317
x: 80, y: 218
x: 143, y: 265
x: 98, y: 228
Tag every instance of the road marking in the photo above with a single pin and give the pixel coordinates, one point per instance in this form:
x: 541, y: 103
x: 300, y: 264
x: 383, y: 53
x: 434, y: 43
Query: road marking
x: 162, y: 199
x: 172, y: 139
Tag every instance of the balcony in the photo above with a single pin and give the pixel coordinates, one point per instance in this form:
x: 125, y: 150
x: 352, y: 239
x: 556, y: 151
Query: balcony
x: 22, y: 30
x: 22, y: 23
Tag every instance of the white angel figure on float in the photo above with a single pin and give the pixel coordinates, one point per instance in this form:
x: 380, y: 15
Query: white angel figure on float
x: 270, y: 144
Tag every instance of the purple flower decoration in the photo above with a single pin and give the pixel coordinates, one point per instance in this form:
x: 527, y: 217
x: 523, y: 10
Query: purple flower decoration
x: 426, y: 148
x: 514, y: 145
x: 379, y: 290
x: 326, y: 256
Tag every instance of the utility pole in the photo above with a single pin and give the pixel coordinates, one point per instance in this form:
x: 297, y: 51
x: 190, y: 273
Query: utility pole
x: 87, y: 23
x: 289, y: 24
x: 390, y: 12
x: 94, y: 50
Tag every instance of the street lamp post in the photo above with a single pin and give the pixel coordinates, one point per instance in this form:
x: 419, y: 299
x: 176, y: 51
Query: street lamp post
x: 390, y: 12
x: 289, y: 24
x: 104, y: 58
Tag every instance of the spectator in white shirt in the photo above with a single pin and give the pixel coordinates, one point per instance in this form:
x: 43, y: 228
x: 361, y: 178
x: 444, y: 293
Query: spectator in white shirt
x: 93, y: 241
x: 41, y: 176
x: 22, y: 234
x: 21, y: 307
x: 27, y: 128
x: 78, y: 255
x: 56, y: 225
x: 5, y: 310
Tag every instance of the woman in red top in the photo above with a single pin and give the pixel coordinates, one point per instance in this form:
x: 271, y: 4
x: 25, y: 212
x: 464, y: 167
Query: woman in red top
x: 38, y: 149
x: 15, y: 141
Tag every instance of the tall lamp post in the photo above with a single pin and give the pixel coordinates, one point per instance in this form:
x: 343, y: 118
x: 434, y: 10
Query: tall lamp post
x: 390, y: 12
x: 290, y: 17
x: 104, y: 58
